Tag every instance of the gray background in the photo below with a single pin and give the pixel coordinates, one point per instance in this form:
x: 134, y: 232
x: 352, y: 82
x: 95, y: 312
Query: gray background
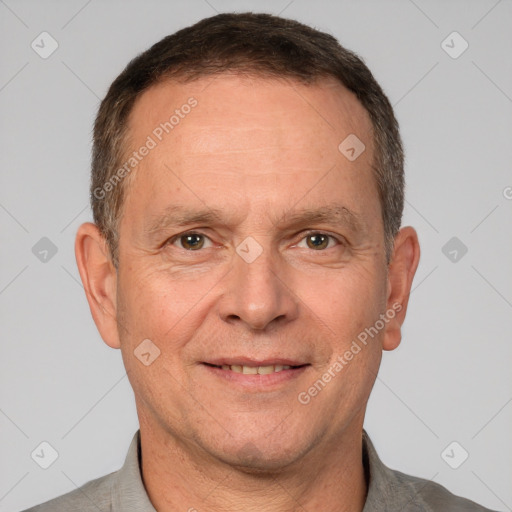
x: 450, y: 379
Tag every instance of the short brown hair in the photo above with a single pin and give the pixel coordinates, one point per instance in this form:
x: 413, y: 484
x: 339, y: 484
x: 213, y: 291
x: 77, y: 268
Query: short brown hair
x: 258, y: 44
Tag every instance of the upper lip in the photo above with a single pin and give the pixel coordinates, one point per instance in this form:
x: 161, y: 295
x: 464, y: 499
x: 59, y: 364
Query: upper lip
x: 247, y: 361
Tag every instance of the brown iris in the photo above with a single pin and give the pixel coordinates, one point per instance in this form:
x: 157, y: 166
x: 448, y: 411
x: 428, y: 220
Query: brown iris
x: 192, y: 241
x: 318, y: 241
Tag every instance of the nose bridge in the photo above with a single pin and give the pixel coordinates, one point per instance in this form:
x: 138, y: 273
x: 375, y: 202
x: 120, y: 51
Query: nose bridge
x: 255, y: 293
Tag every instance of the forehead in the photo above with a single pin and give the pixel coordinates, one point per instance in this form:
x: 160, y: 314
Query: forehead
x: 246, y: 136
x: 236, y: 113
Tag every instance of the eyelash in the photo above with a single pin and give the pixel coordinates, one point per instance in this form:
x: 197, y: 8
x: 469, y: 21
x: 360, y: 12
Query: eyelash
x: 175, y: 238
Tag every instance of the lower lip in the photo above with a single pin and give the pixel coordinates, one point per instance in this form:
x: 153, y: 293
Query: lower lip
x: 256, y: 382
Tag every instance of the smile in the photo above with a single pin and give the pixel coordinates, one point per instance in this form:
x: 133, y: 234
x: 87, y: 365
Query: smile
x: 256, y: 376
x: 254, y: 370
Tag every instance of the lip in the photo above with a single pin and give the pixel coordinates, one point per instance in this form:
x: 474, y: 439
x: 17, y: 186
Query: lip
x: 246, y: 361
x: 256, y: 383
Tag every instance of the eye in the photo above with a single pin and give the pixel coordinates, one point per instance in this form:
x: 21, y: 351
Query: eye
x: 190, y: 241
x: 318, y: 241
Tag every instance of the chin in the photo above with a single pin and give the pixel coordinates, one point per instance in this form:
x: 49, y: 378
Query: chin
x: 260, y: 457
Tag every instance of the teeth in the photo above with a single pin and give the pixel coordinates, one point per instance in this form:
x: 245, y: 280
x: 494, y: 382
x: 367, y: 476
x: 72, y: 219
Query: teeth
x: 254, y: 370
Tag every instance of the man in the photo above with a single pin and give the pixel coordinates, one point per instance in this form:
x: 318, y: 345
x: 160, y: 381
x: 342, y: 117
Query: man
x: 247, y: 259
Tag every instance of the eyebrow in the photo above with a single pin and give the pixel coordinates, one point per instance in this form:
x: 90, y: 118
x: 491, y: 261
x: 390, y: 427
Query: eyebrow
x: 332, y: 214
x: 176, y: 216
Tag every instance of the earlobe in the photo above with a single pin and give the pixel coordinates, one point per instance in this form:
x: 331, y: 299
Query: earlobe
x: 99, y: 278
x: 404, y: 262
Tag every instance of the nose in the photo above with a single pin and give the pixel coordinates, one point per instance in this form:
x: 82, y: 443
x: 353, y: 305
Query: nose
x: 258, y: 294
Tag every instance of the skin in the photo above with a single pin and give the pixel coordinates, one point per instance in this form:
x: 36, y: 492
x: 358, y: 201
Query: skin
x: 258, y: 150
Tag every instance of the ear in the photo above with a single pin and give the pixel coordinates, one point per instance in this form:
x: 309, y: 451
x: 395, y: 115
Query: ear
x: 99, y: 278
x: 404, y: 262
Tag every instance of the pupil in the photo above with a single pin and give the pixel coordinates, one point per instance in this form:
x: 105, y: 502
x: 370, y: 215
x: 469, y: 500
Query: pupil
x: 192, y: 240
x: 317, y: 240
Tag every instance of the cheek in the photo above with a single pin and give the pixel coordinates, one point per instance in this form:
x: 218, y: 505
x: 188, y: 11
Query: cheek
x: 347, y: 300
x: 153, y: 306
x: 158, y: 305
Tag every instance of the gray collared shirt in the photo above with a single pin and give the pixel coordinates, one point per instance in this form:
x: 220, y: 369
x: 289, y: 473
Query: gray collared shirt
x: 388, y: 490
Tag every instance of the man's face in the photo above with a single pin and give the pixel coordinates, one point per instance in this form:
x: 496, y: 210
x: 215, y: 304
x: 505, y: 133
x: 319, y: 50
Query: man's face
x: 250, y: 283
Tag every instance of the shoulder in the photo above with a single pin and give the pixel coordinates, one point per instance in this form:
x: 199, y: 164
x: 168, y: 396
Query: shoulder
x: 94, y: 496
x: 432, y: 497
x: 119, y: 491
x: 390, y: 489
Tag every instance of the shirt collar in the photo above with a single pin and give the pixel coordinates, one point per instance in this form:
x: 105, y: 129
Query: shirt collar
x: 128, y: 491
x: 386, y: 491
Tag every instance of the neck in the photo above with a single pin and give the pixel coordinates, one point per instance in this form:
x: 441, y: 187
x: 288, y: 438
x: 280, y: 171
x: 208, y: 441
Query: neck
x: 179, y: 477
